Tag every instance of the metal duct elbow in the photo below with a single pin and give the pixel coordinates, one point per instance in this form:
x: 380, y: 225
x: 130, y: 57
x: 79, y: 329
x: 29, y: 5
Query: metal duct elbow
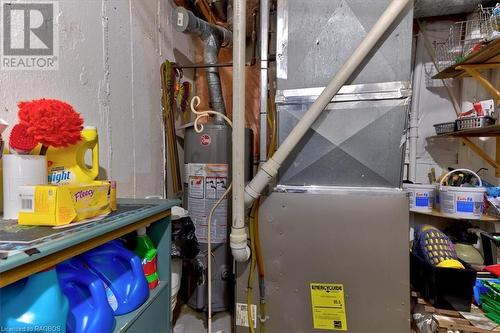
x: 213, y: 37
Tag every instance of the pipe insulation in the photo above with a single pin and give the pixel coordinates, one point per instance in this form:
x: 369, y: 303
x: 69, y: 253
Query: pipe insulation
x: 213, y: 37
x: 238, y: 236
x: 270, y: 169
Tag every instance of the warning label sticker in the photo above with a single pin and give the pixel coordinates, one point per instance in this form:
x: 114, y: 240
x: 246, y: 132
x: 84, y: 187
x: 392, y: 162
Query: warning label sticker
x: 207, y: 183
x: 196, y: 187
x: 328, y: 306
x: 242, y: 315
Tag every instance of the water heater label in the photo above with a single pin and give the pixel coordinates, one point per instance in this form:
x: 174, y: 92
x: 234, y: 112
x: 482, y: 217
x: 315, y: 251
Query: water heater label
x: 206, y: 184
x: 328, y: 306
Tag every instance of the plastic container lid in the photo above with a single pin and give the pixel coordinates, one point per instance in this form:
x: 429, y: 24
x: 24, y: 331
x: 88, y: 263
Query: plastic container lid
x: 462, y: 189
x: 178, y: 213
x: 419, y: 186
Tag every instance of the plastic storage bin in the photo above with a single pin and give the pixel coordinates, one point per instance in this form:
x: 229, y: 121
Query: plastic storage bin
x: 446, y: 288
x: 89, y: 308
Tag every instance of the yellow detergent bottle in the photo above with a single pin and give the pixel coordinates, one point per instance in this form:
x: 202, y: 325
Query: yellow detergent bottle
x: 67, y: 165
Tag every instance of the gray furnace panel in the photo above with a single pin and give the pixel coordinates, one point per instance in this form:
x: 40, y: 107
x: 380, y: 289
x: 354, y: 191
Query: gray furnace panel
x: 315, y: 37
x: 356, y: 141
x: 350, y: 236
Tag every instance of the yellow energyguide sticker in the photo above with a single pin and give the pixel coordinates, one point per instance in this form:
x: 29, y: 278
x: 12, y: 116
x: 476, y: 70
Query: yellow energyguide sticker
x: 328, y: 306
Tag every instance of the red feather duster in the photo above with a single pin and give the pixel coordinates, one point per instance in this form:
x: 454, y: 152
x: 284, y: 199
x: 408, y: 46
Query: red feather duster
x: 51, y: 122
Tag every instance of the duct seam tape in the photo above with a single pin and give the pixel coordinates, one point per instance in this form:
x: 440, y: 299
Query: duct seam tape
x: 421, y: 197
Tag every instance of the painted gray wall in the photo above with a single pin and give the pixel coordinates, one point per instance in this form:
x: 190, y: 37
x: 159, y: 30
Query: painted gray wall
x: 110, y: 54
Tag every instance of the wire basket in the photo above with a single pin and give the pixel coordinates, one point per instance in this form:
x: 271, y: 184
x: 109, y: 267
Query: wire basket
x: 465, y: 36
x: 474, y: 122
x: 444, y: 128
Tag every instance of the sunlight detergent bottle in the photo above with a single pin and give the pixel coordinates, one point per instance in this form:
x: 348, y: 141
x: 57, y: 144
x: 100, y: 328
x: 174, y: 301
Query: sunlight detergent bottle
x: 67, y: 165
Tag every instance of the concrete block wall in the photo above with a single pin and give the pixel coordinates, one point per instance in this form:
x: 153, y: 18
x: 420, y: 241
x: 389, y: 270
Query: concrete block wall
x: 110, y: 53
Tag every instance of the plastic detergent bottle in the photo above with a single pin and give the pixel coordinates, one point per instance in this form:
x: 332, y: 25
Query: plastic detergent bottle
x: 121, y: 271
x: 146, y: 250
x: 89, y: 310
x: 34, y: 304
x: 67, y: 165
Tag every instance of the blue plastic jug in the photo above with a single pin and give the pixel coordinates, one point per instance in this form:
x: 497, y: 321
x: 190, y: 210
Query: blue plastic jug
x: 34, y: 304
x: 89, y: 310
x: 121, y: 272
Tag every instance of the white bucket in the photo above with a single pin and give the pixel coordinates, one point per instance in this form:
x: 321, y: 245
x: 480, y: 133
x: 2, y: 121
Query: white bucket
x: 462, y: 202
x: 20, y: 170
x: 176, y: 263
x: 421, y: 196
x: 176, y: 281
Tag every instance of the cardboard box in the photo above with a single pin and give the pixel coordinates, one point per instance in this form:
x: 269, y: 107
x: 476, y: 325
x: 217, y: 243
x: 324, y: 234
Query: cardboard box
x: 60, y: 205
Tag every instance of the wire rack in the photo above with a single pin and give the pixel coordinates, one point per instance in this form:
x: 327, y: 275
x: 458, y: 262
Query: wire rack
x: 465, y: 36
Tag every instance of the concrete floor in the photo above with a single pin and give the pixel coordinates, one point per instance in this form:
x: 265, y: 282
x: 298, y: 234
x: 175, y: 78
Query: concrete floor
x: 191, y: 321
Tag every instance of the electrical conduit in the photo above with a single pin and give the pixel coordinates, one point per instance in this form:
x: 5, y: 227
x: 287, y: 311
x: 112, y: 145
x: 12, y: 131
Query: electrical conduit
x: 270, y: 168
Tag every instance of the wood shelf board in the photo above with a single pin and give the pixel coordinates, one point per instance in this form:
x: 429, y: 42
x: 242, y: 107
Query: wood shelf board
x: 20, y: 272
x: 489, y: 54
x: 435, y: 213
x: 488, y: 131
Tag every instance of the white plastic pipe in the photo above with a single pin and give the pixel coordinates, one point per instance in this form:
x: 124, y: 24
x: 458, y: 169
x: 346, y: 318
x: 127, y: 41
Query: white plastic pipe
x: 413, y: 128
x: 270, y: 168
x: 264, y: 49
x: 238, y: 236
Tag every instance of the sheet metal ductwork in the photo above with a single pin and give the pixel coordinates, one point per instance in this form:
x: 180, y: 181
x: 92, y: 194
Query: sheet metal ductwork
x: 213, y: 37
x: 428, y: 8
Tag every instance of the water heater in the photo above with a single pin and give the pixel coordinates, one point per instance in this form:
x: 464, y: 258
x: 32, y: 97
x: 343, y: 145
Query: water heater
x: 206, y: 178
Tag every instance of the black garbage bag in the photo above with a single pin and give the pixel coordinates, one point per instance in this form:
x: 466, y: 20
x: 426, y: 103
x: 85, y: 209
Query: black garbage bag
x: 184, y: 242
x: 458, y: 233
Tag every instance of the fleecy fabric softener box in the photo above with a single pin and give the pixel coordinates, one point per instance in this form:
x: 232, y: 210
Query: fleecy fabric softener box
x: 60, y: 205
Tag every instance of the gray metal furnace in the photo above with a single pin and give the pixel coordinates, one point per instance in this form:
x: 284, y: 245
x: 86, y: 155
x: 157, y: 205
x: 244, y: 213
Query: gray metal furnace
x: 354, y: 237
x: 335, y: 231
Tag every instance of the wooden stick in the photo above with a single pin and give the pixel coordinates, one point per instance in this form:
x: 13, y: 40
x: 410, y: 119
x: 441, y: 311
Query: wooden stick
x: 172, y: 155
x: 478, y: 150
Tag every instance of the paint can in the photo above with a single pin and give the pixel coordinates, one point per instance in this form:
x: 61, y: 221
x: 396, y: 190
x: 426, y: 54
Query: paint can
x: 462, y: 202
x: 421, y: 196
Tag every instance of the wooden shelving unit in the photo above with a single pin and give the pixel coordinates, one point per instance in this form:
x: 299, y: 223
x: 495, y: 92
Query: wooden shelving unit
x: 465, y: 135
x: 435, y: 213
x: 486, y: 58
x: 489, y: 131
